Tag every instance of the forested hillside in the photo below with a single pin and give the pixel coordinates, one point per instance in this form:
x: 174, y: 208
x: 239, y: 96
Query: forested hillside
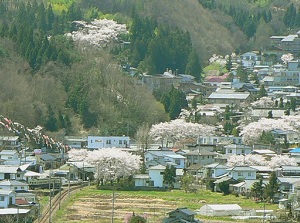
x: 50, y: 80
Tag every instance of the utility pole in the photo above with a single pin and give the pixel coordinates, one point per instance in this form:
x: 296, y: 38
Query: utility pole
x: 50, y: 201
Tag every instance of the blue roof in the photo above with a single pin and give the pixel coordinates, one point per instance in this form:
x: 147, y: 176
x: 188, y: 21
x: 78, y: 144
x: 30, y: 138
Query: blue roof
x: 296, y: 150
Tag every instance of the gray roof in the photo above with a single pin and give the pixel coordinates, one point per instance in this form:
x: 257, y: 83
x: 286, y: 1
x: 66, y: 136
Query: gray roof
x: 161, y: 152
x: 12, y: 183
x: 235, y: 96
x: 176, y: 156
x: 242, y: 168
x: 9, y: 138
x: 47, y: 157
x: 13, y: 211
x: 202, y: 152
x: 8, y: 152
x: 184, y: 210
x: 158, y: 167
x: 6, y: 192
x: 290, y: 168
x: 236, y: 146
x: 9, y: 169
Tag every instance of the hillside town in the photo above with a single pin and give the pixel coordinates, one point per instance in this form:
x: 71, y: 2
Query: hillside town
x: 238, y: 138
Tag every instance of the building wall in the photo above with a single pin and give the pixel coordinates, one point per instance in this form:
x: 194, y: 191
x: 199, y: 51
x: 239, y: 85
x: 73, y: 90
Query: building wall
x: 157, y: 177
x: 99, y: 142
x: 247, y: 175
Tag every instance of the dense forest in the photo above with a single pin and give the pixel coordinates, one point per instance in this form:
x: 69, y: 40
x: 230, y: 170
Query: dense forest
x: 50, y: 80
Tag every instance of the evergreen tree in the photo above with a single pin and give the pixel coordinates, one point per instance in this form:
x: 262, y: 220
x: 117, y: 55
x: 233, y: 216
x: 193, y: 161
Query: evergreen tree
x: 281, y: 105
x: 177, y: 102
x: 293, y: 104
x: 186, y: 182
x: 242, y: 74
x: 257, y: 189
x: 270, y: 114
x: 169, y: 176
x: 228, y: 65
x: 51, y: 123
x: 193, y: 66
x: 262, y: 91
x: 272, y: 187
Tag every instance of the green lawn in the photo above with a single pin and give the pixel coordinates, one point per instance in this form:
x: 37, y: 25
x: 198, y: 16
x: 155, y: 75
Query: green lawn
x: 169, y: 200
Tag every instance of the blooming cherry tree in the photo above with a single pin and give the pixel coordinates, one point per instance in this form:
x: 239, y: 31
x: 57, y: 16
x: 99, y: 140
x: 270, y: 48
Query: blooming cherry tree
x: 98, y: 32
x: 264, y: 102
x: 259, y: 160
x: 178, y: 130
x: 110, y: 163
x: 252, y: 132
x: 287, y: 57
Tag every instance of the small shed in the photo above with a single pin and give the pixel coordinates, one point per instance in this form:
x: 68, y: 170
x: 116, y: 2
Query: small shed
x: 220, y: 210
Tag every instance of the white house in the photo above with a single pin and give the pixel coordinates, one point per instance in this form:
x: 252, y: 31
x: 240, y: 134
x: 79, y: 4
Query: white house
x: 13, y: 185
x: 249, y: 59
x: 10, y: 142
x: 214, y: 170
x: 219, y: 210
x: 7, y: 197
x: 141, y: 180
x: 179, y: 160
x: 11, y: 172
x: 238, y: 149
x: 156, y: 176
x: 99, y: 142
x: 76, y: 142
x: 9, y: 155
x: 242, y: 172
x: 214, y: 140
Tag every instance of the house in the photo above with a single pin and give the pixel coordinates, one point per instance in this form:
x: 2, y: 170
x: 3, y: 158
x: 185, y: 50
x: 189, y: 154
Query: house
x: 99, y: 142
x: 237, y: 149
x: 283, y: 136
x: 287, y: 44
x: 235, y: 98
x: 158, y: 156
x: 179, y: 160
x: 7, y: 198
x: 286, y: 183
x: 141, y: 180
x: 214, y: 140
x: 181, y: 215
x: 242, y: 172
x: 47, y: 161
x: 249, y: 59
x: 8, y: 172
x: 13, y: 185
x: 163, y: 82
x: 156, y: 176
x: 201, y: 157
x: 76, y: 142
x: 10, y: 142
x: 214, y: 170
x: 220, y: 210
x: 9, y: 155
x: 292, y: 171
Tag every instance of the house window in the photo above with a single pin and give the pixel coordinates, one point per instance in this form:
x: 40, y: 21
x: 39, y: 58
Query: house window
x: 22, y: 188
x: 243, y: 151
x: 177, y: 161
x: 230, y: 151
x: 125, y: 142
x: 120, y: 142
x: 1, y: 198
x: 16, y: 188
x: 18, y: 175
x: 9, y: 157
x: 151, y: 183
x: 161, y: 173
x: 108, y: 141
x: 240, y: 174
x: 250, y: 174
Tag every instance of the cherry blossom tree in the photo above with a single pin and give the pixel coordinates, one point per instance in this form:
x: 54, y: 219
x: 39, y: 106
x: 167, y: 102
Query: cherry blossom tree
x: 110, y: 163
x: 252, y: 131
x: 259, y: 160
x: 287, y: 57
x: 264, y: 102
x: 97, y: 32
x: 178, y: 129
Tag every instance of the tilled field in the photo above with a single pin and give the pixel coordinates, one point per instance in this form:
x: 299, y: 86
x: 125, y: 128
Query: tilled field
x: 98, y: 208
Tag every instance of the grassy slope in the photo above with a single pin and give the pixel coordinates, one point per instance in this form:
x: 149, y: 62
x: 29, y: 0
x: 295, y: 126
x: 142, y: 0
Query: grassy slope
x: 156, y: 204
